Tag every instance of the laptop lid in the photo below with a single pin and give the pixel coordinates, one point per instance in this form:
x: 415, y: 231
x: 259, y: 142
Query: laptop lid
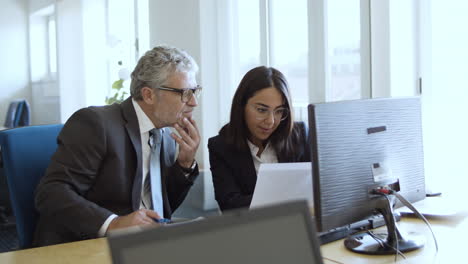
x: 277, y: 234
x: 283, y: 182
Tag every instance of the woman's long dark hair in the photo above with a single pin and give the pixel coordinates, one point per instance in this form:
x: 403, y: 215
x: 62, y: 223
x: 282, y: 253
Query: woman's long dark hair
x: 236, y: 131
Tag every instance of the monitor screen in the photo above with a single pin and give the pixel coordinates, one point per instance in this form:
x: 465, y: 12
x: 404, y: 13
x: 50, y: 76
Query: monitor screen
x: 276, y: 234
x: 360, y: 145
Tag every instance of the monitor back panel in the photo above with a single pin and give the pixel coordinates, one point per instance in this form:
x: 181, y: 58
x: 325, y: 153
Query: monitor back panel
x: 348, y: 139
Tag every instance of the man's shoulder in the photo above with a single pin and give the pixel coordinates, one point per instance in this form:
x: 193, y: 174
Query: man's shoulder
x: 106, y: 111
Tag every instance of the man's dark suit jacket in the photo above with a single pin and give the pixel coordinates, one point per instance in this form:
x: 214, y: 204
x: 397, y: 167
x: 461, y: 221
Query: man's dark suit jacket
x: 97, y: 171
x: 233, y: 171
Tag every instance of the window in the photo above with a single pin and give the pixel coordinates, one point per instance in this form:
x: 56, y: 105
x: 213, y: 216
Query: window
x: 43, y: 45
x: 52, y: 45
x: 120, y: 42
x: 249, y: 36
x: 288, y: 45
x: 344, y: 55
x: 278, y: 33
x: 264, y: 32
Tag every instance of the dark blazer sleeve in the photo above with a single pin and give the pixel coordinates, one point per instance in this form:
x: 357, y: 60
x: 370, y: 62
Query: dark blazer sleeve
x: 231, y: 191
x: 178, y: 186
x: 176, y: 182
x: 71, y: 174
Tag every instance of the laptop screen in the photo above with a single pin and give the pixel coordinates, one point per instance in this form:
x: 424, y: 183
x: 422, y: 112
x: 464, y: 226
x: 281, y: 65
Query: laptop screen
x: 268, y: 235
x: 283, y: 182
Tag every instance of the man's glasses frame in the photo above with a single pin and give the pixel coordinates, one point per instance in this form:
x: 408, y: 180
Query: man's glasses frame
x: 185, y: 93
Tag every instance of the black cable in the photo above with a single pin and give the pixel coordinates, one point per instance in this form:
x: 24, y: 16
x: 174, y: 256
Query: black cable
x: 383, y: 242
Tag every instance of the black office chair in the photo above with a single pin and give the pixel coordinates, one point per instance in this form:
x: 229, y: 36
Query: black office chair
x: 5, y: 204
x: 18, y: 114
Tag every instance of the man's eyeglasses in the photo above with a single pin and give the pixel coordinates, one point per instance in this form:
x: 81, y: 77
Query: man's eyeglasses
x: 185, y: 93
x: 262, y: 113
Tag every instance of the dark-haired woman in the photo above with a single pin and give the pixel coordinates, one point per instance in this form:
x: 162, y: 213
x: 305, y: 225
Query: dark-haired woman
x: 261, y: 130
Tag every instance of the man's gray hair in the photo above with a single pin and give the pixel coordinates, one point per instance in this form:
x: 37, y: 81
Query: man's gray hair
x: 155, y: 67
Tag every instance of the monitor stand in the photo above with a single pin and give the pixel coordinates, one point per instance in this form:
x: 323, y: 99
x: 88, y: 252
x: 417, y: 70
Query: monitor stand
x: 381, y: 243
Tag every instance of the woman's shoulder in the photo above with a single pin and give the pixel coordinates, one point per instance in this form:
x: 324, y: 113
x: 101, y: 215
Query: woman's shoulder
x: 218, y: 141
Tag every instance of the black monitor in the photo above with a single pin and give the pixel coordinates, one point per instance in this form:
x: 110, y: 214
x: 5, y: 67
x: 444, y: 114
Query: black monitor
x: 359, y: 146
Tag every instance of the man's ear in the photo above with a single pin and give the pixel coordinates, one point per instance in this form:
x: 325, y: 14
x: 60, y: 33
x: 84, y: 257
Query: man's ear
x: 147, y: 94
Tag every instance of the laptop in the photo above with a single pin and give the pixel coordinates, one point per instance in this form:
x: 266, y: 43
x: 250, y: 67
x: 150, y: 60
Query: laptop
x: 283, y: 182
x: 278, y: 234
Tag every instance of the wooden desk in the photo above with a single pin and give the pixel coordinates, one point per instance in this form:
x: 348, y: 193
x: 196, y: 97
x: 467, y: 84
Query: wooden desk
x: 87, y: 251
x: 451, y: 235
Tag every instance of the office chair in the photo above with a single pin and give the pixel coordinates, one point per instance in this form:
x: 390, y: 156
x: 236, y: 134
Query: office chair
x: 18, y: 114
x: 26, y: 153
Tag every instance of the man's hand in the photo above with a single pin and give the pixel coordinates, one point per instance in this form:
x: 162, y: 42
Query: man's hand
x: 142, y: 217
x: 188, y: 140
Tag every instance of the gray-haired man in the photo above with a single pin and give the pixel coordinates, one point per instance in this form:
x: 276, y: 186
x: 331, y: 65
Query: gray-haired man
x: 115, y: 166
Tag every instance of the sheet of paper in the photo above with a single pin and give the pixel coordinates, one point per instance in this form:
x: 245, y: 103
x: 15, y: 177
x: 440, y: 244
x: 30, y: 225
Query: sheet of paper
x: 282, y: 182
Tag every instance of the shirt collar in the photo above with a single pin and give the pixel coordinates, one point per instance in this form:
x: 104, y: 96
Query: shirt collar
x: 144, y: 122
x: 254, y: 148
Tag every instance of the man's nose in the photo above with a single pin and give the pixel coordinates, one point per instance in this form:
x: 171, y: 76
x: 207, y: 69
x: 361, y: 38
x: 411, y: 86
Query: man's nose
x: 193, y: 101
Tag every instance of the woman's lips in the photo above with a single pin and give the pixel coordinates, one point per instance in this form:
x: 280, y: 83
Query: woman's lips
x: 265, y: 130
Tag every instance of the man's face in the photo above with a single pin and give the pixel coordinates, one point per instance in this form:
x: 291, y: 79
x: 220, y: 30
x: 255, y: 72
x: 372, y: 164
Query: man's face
x: 166, y: 107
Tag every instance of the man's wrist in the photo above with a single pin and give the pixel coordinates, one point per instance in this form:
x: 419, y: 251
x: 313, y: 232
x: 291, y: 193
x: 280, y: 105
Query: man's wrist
x: 106, y: 226
x: 188, y: 167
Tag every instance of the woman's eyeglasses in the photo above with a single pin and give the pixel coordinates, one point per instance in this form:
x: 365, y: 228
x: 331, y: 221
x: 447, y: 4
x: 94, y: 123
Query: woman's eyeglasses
x: 185, y: 93
x: 262, y: 113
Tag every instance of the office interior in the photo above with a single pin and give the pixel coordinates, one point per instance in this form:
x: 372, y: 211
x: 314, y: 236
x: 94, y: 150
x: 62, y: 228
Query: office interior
x: 65, y: 55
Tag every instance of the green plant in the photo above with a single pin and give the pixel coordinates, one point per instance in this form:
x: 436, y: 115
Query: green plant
x: 118, y: 87
x: 119, y: 94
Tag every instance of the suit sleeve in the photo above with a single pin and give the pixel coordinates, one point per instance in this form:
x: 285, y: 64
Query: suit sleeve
x: 228, y: 193
x: 179, y: 185
x: 72, y: 172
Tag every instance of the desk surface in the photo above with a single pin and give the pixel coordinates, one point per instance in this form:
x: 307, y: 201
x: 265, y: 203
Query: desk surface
x: 451, y: 234
x: 87, y: 251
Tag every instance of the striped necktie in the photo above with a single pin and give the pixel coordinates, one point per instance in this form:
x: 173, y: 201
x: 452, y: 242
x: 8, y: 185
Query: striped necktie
x: 152, y: 194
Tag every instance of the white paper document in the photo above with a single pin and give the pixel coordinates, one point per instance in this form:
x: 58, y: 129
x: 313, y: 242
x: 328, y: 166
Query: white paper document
x: 283, y: 182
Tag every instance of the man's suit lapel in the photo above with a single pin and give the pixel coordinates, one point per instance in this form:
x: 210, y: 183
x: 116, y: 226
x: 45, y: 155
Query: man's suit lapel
x: 133, y: 131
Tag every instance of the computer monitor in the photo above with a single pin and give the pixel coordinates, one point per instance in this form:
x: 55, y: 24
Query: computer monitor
x: 358, y: 146
x: 275, y: 234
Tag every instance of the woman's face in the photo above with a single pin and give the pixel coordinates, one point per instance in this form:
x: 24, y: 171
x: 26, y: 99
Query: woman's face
x: 263, y: 113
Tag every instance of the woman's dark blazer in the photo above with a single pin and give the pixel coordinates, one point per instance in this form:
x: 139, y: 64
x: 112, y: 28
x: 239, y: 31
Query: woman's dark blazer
x: 233, y: 171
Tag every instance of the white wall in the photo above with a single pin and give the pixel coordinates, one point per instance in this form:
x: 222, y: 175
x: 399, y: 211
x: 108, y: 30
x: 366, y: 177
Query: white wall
x: 36, y: 5
x: 14, y: 61
x: 448, y: 95
x: 81, y: 40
